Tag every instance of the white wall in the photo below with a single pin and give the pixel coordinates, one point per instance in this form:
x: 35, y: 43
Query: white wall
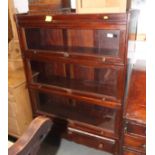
x: 73, y: 4
x: 21, y: 5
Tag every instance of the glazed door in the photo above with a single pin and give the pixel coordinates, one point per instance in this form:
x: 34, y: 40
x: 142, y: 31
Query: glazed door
x: 101, y: 81
x: 85, y: 42
x: 70, y: 109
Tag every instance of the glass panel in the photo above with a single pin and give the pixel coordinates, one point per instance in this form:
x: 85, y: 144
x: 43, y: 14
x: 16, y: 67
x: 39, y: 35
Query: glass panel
x: 77, y: 110
x: 101, y: 42
x: 78, y: 77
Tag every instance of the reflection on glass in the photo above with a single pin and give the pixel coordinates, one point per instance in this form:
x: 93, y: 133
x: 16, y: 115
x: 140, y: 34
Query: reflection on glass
x: 101, y: 42
x: 77, y: 110
x: 78, y: 77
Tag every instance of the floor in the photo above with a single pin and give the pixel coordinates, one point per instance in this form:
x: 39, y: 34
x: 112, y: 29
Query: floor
x: 69, y: 148
x: 66, y: 148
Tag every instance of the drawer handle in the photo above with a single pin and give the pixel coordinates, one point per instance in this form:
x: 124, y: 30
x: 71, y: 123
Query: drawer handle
x: 48, y: 18
x: 66, y: 55
x: 103, y: 59
x: 105, y: 17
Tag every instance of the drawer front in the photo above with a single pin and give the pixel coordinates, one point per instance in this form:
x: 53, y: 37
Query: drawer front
x: 133, y: 128
x: 105, y: 45
x: 26, y: 20
x: 103, y: 81
x: 129, y: 152
x: 91, y: 140
x: 76, y: 110
x: 135, y: 142
x: 91, y: 129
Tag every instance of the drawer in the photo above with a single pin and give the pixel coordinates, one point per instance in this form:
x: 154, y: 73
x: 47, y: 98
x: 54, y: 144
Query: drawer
x: 136, y: 142
x: 130, y: 152
x: 75, y: 110
x: 70, y: 19
x: 92, y: 129
x: 103, y: 45
x: 91, y: 140
x: 106, y: 82
x: 134, y: 128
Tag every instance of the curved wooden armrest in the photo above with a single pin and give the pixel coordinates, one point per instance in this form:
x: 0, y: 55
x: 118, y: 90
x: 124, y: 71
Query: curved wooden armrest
x: 29, y: 142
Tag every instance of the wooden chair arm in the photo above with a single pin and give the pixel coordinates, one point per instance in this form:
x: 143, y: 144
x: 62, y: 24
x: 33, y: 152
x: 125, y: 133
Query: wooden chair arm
x: 29, y: 142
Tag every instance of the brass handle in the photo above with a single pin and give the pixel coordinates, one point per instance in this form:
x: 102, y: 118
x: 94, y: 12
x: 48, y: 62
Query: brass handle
x: 105, y: 17
x: 66, y: 55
